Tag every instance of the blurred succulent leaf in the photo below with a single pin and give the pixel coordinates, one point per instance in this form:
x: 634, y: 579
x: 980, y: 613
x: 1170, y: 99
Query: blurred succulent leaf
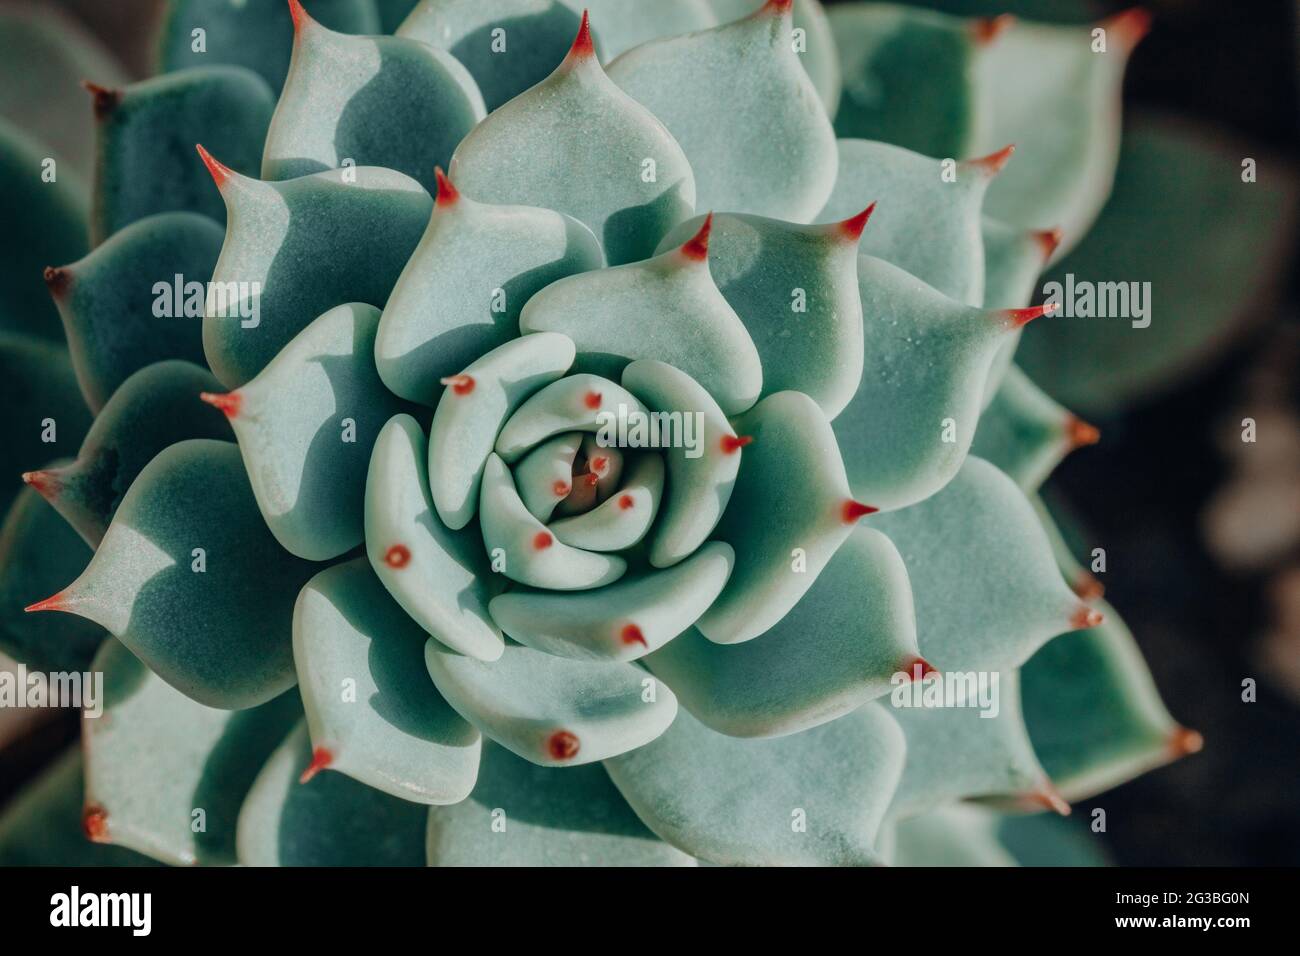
x: 393, y: 12
x: 1013, y: 260
x: 124, y: 308
x: 521, y: 814
x: 737, y: 802
x: 959, y: 834
x: 199, y: 763
x: 1045, y: 839
x: 621, y: 25
x: 370, y: 710
x: 144, y: 134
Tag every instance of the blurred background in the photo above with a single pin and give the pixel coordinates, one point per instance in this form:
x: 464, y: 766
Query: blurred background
x: 1202, y: 531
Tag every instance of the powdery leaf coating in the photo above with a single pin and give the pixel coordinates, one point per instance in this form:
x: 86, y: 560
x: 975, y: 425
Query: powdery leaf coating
x: 765, y: 148
x: 554, y: 711
x: 369, y: 101
x: 621, y: 25
x: 108, y: 300
x: 570, y: 816
x: 734, y: 802
x: 624, y: 621
x: 386, y: 728
x: 837, y: 648
x: 574, y: 403
x: 194, y: 757
x: 578, y: 144
x: 440, y: 577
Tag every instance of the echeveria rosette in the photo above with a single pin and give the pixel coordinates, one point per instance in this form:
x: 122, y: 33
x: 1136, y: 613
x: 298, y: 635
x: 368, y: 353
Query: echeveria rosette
x: 418, y: 610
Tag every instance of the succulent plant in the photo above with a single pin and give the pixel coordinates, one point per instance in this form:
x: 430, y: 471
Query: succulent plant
x: 387, y: 587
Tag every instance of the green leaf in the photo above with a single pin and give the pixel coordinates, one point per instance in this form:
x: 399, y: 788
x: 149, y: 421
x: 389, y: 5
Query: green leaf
x: 766, y: 146
x: 574, y: 403
x: 220, y: 635
x: 330, y: 820
x: 987, y: 590
x: 1048, y: 840
x: 370, y: 710
x: 577, y: 143
x: 295, y: 250
x: 554, y: 711
x: 837, y: 648
x: 959, y: 834
x: 620, y: 25
x: 306, y: 424
x: 481, y: 264
x: 123, y: 307
x: 524, y: 815
x: 166, y: 776
x: 814, y: 798
x: 368, y: 101
x: 622, y: 520
x: 1013, y: 260
x: 145, y: 132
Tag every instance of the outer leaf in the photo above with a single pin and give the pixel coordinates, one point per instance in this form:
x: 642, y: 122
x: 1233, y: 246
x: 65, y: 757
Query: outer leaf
x: 1049, y: 840
x: 956, y: 835
x: 370, y: 709
x: 576, y: 143
x: 1013, y: 260
x: 571, y: 816
x: 222, y: 635
x: 733, y: 801
x: 621, y: 25
x: 770, y: 126
x: 158, y: 764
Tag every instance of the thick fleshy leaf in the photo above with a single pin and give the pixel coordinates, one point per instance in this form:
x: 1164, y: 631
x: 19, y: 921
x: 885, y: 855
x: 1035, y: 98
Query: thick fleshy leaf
x: 667, y: 308
x: 766, y: 147
x: 42, y: 825
x: 623, y: 519
x: 1013, y: 260
x: 577, y: 143
x: 1055, y: 94
x: 1213, y: 248
x: 45, y: 414
x: 1094, y: 713
x: 152, y: 409
x: 984, y: 579
x: 296, y: 249
x: 928, y: 220
x: 1026, y: 434
x: 790, y: 511
x: 960, y: 747
x: 1045, y: 839
x: 306, y: 424
x: 462, y: 291
x: 574, y: 403
x: 256, y: 35
x: 507, y: 46
x: 524, y: 551
x: 393, y: 12
x: 370, y: 710
x: 521, y: 814
x: 911, y: 423
x: 554, y: 711
x: 544, y: 477
x: 123, y: 306
x: 198, y: 763
x: 796, y: 290
x: 815, y: 798
x: 959, y: 834
x: 191, y: 580
x: 146, y: 131
x: 620, y: 25
x: 839, y: 646
x: 701, y: 467
x: 894, y: 57
x: 624, y: 621
x: 331, y: 820
x: 44, y: 223
x: 368, y: 101
x: 40, y: 553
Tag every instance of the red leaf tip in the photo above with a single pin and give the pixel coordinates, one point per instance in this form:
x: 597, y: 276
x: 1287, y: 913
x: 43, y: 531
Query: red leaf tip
x: 221, y: 173
x: 447, y: 194
x: 582, y: 48
x: 542, y: 540
x: 697, y: 247
x: 320, y: 759
x: 733, y: 443
x: 852, y: 510
x: 1088, y: 587
x: 852, y: 228
x: 631, y: 634
x: 1129, y: 26
x: 1021, y: 317
x: 561, y: 489
x: 987, y: 29
x: 1085, y: 617
x: 46, y: 483
x: 1080, y: 434
x: 1048, y: 240
x: 626, y: 501
x: 228, y: 403
x: 397, y: 556
x: 992, y: 164
x: 1184, y: 741
x: 55, y: 602
x: 459, y: 384
x: 778, y: 7
x: 1049, y: 798
x: 592, y: 400
x: 103, y: 98
x: 94, y: 823
x: 299, y: 15
x: 57, y: 279
x: 563, y: 745
x: 917, y: 668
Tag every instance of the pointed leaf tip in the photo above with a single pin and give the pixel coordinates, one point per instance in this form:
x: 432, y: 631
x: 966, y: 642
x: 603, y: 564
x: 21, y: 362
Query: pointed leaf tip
x: 582, y: 48
x: 631, y: 634
x: 229, y: 403
x: 1048, y: 798
x: 916, y: 668
x: 1129, y: 26
x: 1021, y: 317
x: 57, y: 279
x: 853, y: 227
x: 542, y: 540
x: 55, y: 602
x: 1086, y: 617
x: 104, y: 99
x: 221, y: 173
x: 733, y: 443
x: 1048, y: 240
x: 1184, y: 741
x: 320, y: 759
x: 993, y: 163
x: 851, y: 511
x: 46, y: 483
x: 94, y: 823
x: 447, y: 193
x: 697, y: 247
x: 299, y: 15
x: 1080, y: 434
x: 459, y: 384
x: 1087, y: 587
x: 563, y: 745
x: 777, y: 7
x: 987, y: 29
